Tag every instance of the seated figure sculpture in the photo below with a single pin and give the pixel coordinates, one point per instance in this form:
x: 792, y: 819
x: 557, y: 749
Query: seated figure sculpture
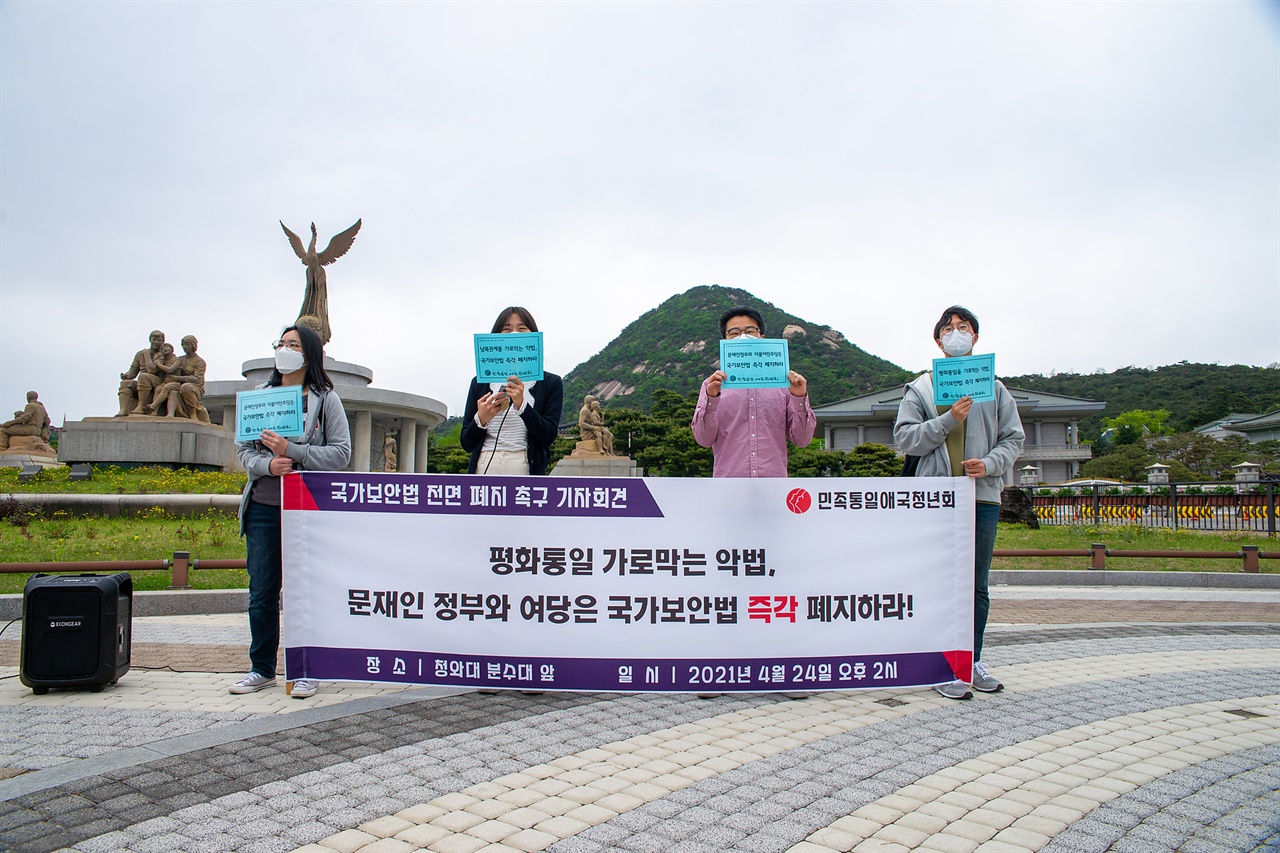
x: 593, y: 435
x: 149, y: 382
x: 606, y: 434
x: 183, y: 386
x: 144, y: 363
x: 33, y: 420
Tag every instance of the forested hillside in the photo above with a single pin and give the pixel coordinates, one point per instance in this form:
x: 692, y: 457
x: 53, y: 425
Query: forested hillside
x: 676, y: 345
x: 1194, y: 394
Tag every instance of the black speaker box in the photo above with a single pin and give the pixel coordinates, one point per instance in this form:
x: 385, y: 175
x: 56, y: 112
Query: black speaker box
x: 76, y: 630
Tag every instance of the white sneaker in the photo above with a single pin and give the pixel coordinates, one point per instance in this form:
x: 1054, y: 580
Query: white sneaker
x: 953, y: 690
x: 304, y: 687
x: 252, y: 683
x: 983, y: 679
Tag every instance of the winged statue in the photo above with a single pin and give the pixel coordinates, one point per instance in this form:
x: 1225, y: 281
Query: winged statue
x: 315, y: 301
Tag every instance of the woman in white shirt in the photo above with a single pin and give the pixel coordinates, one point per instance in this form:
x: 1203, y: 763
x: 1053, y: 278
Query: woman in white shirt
x: 509, y: 427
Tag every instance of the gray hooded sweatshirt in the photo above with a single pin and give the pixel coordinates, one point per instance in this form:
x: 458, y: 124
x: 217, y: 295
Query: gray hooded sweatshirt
x: 994, y: 435
x: 325, y: 444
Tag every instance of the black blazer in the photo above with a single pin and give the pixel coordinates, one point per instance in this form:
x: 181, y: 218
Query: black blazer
x: 541, y: 421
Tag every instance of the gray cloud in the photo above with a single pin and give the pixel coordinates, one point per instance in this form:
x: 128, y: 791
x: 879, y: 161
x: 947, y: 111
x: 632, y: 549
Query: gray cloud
x: 1097, y: 181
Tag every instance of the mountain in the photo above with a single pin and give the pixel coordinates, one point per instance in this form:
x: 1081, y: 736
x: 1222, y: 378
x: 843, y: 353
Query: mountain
x: 1194, y: 394
x: 676, y: 345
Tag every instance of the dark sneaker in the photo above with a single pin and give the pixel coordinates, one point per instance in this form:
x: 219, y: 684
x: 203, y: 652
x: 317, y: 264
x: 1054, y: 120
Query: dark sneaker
x: 253, y: 682
x: 953, y: 690
x: 983, y: 679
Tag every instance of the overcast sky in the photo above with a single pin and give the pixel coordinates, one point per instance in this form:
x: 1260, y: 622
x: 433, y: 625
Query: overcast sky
x: 1099, y: 182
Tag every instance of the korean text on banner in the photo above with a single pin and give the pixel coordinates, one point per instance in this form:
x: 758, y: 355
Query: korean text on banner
x: 969, y: 376
x: 755, y: 363
x: 277, y: 409
x: 628, y: 584
x: 502, y: 355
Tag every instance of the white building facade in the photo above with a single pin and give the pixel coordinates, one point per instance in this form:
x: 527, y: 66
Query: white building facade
x: 1051, y: 422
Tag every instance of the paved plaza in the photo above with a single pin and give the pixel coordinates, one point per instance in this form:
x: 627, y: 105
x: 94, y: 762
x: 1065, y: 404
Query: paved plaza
x: 1133, y: 719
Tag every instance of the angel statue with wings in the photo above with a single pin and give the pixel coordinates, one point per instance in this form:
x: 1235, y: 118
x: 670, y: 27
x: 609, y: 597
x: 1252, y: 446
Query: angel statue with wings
x: 315, y: 302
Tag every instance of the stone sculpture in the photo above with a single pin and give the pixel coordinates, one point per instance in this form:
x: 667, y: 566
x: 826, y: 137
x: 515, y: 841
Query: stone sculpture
x: 32, y: 422
x: 148, y: 382
x: 144, y: 362
x: 183, y: 386
x: 315, y: 301
x: 594, y: 436
x: 160, y: 383
x: 389, y: 454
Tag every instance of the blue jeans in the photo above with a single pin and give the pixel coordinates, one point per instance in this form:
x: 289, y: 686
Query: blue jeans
x: 262, y: 538
x: 984, y: 544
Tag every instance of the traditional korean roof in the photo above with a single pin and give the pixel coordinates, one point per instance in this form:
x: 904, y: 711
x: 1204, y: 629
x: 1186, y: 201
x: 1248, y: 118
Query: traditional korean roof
x: 887, y: 400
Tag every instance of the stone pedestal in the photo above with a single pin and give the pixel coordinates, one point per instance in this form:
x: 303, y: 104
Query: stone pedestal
x: 596, y: 465
x: 28, y: 450
x: 145, y: 440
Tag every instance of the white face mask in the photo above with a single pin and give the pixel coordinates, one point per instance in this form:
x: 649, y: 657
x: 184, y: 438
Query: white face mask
x: 289, y: 360
x: 957, y: 343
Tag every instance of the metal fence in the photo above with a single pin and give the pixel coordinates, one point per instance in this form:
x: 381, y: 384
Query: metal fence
x: 1178, y: 506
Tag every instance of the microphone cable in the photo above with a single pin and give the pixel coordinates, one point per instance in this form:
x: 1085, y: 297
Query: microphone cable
x: 496, y: 436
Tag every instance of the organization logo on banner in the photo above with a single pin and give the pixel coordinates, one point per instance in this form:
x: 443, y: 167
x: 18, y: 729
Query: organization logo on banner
x: 798, y: 501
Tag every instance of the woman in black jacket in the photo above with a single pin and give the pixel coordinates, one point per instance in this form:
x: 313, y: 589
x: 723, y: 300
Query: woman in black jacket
x: 509, y: 427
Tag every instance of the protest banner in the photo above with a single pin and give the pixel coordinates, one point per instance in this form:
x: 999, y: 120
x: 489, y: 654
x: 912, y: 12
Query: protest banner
x: 277, y: 409
x: 516, y: 354
x: 968, y: 376
x: 628, y: 584
x: 755, y: 363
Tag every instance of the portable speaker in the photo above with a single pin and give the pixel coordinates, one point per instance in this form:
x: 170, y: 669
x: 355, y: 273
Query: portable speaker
x: 76, y: 631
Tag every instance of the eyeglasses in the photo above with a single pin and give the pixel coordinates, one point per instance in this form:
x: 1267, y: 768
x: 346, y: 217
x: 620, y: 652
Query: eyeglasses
x: 735, y: 332
x: 958, y: 327
x: 296, y: 346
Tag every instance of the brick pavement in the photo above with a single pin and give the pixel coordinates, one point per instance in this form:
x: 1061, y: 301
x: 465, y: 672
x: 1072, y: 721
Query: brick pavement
x: 1126, y: 725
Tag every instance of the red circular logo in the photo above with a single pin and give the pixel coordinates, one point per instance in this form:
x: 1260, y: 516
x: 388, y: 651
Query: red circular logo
x: 798, y: 501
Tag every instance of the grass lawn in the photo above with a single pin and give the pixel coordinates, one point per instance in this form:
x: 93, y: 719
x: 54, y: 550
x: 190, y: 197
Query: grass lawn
x: 111, y: 480
x: 1129, y: 537
x: 152, y: 536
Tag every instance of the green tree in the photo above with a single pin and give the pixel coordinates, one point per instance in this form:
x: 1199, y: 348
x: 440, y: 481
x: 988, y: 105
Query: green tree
x: 873, y: 460
x: 1127, y: 462
x: 1133, y: 426
x: 816, y: 461
x: 661, y: 442
x: 1223, y: 402
x: 446, y: 457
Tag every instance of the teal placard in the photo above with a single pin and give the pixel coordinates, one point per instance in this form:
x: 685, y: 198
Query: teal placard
x: 969, y: 376
x: 515, y: 354
x: 755, y: 363
x: 276, y: 409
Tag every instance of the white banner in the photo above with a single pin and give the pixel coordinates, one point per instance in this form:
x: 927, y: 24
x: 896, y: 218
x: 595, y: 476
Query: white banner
x: 612, y: 584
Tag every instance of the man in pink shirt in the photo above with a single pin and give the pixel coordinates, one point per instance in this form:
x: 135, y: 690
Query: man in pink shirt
x: 747, y: 428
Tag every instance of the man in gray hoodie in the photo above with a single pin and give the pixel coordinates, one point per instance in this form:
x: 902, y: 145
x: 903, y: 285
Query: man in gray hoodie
x: 966, y: 439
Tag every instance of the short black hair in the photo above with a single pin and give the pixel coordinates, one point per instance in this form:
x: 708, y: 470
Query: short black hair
x: 741, y: 311
x: 525, y: 317
x: 954, y: 311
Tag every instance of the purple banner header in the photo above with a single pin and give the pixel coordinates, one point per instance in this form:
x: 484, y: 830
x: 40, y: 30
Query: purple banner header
x: 447, y: 494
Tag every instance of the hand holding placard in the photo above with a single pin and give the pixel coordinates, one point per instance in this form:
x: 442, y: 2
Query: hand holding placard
x: 755, y: 363
x: 513, y: 354
x: 972, y: 376
x: 275, y: 409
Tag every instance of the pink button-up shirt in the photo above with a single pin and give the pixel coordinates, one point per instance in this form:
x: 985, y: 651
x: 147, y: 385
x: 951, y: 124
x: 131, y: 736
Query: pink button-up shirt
x: 747, y: 429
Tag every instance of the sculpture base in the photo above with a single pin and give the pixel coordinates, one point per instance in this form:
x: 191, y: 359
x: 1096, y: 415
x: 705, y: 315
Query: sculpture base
x: 146, y: 440
x: 597, y: 465
x: 28, y: 450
